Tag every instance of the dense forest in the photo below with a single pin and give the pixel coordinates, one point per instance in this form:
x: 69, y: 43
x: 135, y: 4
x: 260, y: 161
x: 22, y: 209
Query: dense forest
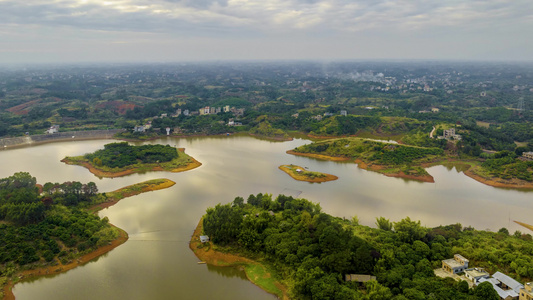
x: 311, y: 251
x: 46, y: 227
x: 119, y: 155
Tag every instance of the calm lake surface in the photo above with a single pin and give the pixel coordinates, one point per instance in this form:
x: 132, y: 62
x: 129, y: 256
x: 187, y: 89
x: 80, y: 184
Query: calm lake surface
x: 156, y: 263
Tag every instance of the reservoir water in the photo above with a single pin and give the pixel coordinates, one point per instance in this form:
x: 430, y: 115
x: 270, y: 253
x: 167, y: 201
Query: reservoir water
x: 156, y: 263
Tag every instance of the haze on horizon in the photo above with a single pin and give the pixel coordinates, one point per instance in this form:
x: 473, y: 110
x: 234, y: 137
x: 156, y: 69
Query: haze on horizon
x: 71, y: 31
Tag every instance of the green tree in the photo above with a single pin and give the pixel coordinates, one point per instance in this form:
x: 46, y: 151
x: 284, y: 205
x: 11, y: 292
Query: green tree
x: 485, y: 291
x: 409, y: 231
x: 504, y: 231
x: 222, y: 223
x: 384, y: 224
x: 375, y: 291
x: 238, y: 201
x: 97, y: 162
x: 462, y: 286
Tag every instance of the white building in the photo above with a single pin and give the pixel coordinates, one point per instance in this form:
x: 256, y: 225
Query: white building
x: 527, y: 155
x: 53, y: 129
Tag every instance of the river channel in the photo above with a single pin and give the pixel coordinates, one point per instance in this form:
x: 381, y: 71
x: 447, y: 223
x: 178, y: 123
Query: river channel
x: 156, y: 263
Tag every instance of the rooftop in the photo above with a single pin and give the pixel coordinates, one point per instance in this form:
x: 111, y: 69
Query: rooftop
x: 459, y: 256
x: 453, y: 263
x: 475, y: 272
x: 502, y: 293
x: 508, y: 281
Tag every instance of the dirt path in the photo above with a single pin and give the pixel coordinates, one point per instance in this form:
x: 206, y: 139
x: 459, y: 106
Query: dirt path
x: 431, y: 133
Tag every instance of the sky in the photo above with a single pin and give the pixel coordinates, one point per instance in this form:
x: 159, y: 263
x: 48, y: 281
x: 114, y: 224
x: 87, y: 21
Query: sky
x: 70, y: 31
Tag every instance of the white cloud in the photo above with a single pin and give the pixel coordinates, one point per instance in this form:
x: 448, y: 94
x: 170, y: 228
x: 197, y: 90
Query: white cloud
x: 396, y: 24
x: 335, y: 15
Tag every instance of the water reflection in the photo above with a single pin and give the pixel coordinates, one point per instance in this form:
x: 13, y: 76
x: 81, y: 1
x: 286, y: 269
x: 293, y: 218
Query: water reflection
x: 157, y: 263
x: 228, y: 271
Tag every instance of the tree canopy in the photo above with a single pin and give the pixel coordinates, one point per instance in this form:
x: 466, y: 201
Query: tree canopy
x: 311, y: 252
x: 119, y: 155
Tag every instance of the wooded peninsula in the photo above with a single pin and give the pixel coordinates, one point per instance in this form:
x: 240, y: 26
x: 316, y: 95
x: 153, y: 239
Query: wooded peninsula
x: 290, y: 248
x: 53, y: 228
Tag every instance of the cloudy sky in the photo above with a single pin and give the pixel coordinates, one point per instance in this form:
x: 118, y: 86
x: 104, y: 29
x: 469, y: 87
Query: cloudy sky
x: 185, y: 30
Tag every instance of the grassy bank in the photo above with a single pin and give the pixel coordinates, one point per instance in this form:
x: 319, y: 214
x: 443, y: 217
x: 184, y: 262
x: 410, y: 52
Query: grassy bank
x: 131, y: 190
x: 256, y: 272
x: 299, y: 173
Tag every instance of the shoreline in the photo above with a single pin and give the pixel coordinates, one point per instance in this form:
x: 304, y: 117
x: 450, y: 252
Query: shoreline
x: 326, y: 178
x: 377, y: 168
x: 83, y: 135
x: 271, y: 138
x: 318, y: 156
x: 60, y: 268
x: 100, y: 173
x: 512, y: 184
x: 220, y: 259
x: 184, y: 136
x: 19, y: 146
x: 86, y: 258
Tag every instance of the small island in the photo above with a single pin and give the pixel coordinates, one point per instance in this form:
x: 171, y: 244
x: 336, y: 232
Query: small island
x: 121, y: 159
x: 299, y: 173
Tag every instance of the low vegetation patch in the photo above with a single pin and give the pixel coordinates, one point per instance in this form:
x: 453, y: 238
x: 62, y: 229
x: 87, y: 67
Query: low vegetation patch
x: 135, y: 189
